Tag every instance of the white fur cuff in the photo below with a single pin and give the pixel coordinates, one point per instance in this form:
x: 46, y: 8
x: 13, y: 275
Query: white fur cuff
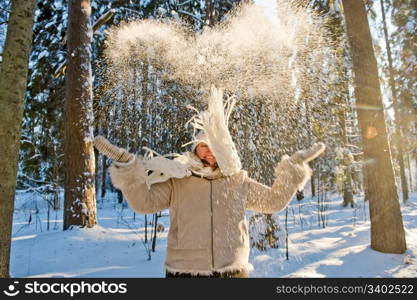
x: 125, y: 175
x: 297, y: 174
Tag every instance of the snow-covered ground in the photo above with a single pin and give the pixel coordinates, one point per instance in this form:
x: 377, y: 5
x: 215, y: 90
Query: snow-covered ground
x: 115, y: 248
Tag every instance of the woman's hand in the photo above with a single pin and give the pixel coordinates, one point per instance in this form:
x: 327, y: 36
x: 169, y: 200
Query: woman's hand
x: 295, y: 167
x: 304, y: 156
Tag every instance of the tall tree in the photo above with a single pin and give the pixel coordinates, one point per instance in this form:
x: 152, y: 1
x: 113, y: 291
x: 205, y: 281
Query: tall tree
x: 404, y: 37
x: 387, y: 231
x: 398, y: 126
x: 40, y: 161
x: 80, y: 200
x: 339, y: 92
x: 13, y: 73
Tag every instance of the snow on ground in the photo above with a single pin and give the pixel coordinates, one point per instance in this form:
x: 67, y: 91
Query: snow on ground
x: 342, y: 249
x: 116, y: 248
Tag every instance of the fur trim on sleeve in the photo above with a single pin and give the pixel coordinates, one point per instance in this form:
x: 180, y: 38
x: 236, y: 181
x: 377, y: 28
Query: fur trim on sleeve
x: 125, y: 175
x: 295, y: 173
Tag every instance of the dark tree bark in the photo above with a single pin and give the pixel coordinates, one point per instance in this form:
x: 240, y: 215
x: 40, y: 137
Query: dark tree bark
x: 210, y: 13
x: 13, y: 76
x: 80, y: 196
x: 387, y: 231
x: 103, y: 176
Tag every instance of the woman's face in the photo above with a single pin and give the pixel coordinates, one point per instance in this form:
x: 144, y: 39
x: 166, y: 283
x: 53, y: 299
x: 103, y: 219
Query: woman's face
x: 204, y: 153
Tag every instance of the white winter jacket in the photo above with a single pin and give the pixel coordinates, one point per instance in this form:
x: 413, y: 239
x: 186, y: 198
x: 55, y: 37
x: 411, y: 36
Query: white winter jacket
x: 208, y: 229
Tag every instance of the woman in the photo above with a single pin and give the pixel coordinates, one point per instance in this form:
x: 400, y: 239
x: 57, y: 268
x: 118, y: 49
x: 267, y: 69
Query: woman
x: 208, y: 234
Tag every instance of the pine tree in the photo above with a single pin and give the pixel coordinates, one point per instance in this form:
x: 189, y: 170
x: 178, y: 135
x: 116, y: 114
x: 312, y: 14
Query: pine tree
x: 404, y: 19
x: 340, y: 98
x: 398, y: 126
x: 13, y: 73
x: 387, y: 231
x: 41, y: 152
x: 80, y: 201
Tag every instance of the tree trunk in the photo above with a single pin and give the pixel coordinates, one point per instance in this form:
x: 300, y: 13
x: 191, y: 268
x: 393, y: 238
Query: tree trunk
x: 308, y: 124
x: 80, y: 198
x: 287, y: 252
x: 144, y: 127
x: 103, y: 176
x: 398, y: 126
x: 313, y: 187
x: 155, y: 225
x: 210, y: 13
x: 104, y: 167
x: 13, y: 77
x: 146, y: 228
x: 347, y: 184
x: 410, y: 173
x: 387, y: 231
x: 348, y: 189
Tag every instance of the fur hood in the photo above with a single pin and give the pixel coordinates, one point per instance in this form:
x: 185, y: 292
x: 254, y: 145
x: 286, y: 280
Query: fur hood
x: 156, y: 169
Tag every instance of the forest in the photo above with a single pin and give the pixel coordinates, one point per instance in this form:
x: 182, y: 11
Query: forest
x: 340, y: 72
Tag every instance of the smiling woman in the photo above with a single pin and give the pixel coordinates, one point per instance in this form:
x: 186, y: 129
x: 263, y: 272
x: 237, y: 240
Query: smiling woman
x: 203, y: 151
x: 208, y: 234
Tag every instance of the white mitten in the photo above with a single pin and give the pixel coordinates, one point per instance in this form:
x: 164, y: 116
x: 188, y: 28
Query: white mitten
x: 295, y: 169
x: 304, y: 156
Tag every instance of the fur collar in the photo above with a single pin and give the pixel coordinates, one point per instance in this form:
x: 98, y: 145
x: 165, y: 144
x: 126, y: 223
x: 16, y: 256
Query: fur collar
x: 159, y: 168
x: 197, y: 167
